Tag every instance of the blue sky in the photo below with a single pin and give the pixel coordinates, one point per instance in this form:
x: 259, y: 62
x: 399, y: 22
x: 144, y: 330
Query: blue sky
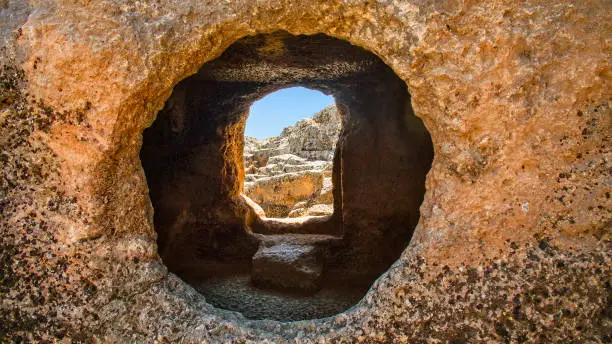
x: 280, y: 109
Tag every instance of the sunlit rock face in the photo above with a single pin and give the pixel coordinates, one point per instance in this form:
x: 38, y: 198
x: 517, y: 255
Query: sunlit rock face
x: 513, y: 235
x: 291, y: 173
x: 279, y: 194
x: 313, y: 139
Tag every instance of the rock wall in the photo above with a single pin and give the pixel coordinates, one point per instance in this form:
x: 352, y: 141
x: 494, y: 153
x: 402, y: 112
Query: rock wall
x: 513, y: 241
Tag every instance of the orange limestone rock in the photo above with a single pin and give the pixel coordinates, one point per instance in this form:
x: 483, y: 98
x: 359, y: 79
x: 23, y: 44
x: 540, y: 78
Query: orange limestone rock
x: 470, y: 180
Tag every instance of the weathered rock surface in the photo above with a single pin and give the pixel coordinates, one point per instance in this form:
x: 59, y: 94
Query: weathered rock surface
x: 310, y: 138
x: 288, y: 266
x: 278, y: 194
x: 294, y: 167
x: 513, y: 240
x: 320, y: 210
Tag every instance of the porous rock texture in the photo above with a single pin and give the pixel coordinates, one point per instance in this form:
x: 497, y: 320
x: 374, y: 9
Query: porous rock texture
x: 513, y: 241
x: 278, y: 195
x: 290, y: 175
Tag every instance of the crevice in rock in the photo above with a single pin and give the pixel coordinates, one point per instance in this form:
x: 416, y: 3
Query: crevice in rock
x: 212, y: 236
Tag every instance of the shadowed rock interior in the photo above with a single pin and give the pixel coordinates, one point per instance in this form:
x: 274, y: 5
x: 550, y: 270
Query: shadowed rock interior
x: 193, y: 158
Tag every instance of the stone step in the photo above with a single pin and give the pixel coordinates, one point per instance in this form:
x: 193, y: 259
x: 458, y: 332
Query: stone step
x: 318, y: 240
x: 288, y: 266
x: 290, y: 262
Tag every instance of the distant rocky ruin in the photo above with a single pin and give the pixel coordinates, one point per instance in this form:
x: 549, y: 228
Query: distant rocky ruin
x: 290, y: 175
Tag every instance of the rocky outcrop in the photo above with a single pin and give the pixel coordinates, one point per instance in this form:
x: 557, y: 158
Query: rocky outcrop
x: 289, y: 174
x: 277, y: 195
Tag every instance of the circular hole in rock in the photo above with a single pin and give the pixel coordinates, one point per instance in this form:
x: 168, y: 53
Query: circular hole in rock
x: 217, y: 240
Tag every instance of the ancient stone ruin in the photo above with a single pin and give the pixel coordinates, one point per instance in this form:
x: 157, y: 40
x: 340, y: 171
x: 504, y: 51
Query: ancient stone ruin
x: 290, y: 175
x: 470, y: 181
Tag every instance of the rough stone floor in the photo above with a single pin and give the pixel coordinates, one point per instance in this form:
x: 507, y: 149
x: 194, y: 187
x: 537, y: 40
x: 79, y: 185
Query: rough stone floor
x: 236, y: 292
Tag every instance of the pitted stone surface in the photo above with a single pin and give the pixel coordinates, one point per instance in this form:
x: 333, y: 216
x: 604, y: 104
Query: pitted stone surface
x: 513, y: 243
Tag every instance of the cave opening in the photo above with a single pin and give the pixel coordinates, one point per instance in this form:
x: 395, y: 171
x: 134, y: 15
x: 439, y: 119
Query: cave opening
x: 218, y: 240
x: 289, y: 145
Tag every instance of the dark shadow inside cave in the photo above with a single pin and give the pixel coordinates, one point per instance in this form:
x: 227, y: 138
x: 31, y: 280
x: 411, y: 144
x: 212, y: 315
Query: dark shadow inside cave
x: 213, y: 237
